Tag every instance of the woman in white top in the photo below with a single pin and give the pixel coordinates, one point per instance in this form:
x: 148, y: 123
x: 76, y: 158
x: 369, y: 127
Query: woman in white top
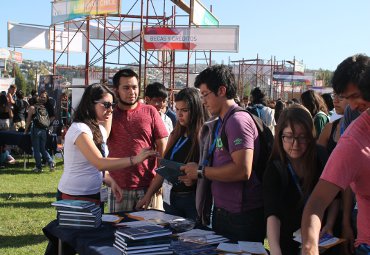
x: 85, y: 149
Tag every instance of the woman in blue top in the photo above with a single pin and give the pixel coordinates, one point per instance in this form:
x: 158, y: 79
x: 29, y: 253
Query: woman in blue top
x: 182, y: 147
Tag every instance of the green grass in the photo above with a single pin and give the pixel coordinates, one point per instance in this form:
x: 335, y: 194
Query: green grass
x: 25, y: 199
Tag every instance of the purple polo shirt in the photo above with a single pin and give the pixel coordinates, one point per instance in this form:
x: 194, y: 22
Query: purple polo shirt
x: 241, y: 134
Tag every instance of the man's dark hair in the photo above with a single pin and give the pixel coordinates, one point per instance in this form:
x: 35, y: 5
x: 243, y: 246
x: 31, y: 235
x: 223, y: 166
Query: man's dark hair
x: 216, y: 76
x: 258, y: 97
x: 364, y: 85
x: 123, y: 73
x: 156, y: 89
x: 19, y: 94
x: 351, y: 70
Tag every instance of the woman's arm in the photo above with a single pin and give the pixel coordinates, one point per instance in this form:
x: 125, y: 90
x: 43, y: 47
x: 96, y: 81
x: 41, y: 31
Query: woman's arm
x: 88, y: 148
x: 324, y: 136
x: 117, y: 191
x: 273, y: 234
x: 333, y: 210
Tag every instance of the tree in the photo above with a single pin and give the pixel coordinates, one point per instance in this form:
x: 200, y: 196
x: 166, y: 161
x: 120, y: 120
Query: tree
x: 31, y: 80
x: 20, y: 81
x: 325, y: 76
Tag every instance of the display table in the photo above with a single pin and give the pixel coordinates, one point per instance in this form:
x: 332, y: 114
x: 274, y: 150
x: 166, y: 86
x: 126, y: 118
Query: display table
x: 99, y: 241
x: 65, y: 241
x: 19, y: 139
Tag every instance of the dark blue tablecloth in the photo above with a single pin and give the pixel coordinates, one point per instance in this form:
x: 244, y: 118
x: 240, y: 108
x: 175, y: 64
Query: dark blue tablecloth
x: 20, y: 139
x: 82, y: 241
x: 23, y: 141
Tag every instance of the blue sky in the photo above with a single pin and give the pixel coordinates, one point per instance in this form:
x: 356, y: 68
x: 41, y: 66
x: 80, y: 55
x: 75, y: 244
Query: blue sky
x: 321, y: 33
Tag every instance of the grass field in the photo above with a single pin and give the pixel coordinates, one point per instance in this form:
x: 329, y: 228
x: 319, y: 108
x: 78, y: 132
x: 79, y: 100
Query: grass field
x: 25, y: 208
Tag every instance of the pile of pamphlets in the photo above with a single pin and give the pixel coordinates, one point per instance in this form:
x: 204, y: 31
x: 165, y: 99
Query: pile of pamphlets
x: 143, y: 239
x: 78, y: 213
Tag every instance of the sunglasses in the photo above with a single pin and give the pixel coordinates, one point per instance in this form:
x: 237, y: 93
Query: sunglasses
x: 107, y: 105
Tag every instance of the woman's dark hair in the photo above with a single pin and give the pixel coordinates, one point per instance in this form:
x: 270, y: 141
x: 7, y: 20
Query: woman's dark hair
x: 86, y: 113
x: 297, y: 115
x: 3, y: 100
x: 313, y: 102
x: 279, y: 107
x: 328, y: 101
x: 197, y: 116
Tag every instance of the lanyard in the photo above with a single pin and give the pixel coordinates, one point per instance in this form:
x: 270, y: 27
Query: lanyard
x: 342, y: 129
x: 213, y: 145
x: 295, y: 179
x: 178, y: 146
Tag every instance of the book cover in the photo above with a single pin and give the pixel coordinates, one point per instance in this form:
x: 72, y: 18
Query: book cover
x: 68, y: 216
x: 131, y: 248
x: 152, y: 241
x: 170, y: 170
x: 90, y: 211
x: 79, y: 221
x: 143, y: 232
x: 72, y: 225
x: 77, y: 204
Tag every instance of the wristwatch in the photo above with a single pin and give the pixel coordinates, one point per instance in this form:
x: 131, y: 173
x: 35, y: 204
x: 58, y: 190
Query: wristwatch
x: 200, y: 172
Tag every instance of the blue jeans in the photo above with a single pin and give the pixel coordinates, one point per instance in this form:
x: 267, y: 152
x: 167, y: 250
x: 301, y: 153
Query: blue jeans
x: 363, y: 249
x: 182, y: 204
x: 4, y: 157
x: 38, y: 138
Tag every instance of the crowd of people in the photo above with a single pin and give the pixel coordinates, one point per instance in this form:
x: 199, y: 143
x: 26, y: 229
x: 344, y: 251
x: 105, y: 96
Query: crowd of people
x: 21, y: 114
x: 315, y: 178
x: 219, y: 142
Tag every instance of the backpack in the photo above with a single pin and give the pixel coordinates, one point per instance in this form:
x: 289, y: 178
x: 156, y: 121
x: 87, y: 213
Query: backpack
x: 266, y: 141
x: 41, y: 118
x: 256, y: 110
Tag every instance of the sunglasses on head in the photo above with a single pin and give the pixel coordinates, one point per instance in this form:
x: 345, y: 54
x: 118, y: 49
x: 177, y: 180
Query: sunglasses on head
x: 107, y: 105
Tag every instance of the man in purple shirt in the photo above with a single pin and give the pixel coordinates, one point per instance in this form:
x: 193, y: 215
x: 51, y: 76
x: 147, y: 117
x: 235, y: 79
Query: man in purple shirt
x: 236, y: 190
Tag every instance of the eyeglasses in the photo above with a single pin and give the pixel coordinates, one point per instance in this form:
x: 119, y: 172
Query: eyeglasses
x: 107, y: 105
x: 202, y: 97
x: 291, y: 139
x: 335, y: 96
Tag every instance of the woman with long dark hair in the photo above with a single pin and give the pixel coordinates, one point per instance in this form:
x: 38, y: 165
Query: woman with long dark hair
x: 293, y: 170
x: 85, y: 150
x: 183, y: 146
x: 314, y: 102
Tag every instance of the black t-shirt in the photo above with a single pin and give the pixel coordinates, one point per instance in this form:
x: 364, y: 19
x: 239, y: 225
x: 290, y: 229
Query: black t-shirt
x: 180, y: 156
x: 283, y: 200
x: 20, y: 110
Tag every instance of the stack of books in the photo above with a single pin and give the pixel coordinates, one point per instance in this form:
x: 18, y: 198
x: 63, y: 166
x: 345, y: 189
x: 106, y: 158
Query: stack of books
x: 78, y: 213
x: 150, y: 239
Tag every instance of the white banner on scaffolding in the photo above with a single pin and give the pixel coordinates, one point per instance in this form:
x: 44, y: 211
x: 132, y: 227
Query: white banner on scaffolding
x: 42, y: 37
x: 128, y: 33
x: 220, y: 38
x: 70, y: 9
